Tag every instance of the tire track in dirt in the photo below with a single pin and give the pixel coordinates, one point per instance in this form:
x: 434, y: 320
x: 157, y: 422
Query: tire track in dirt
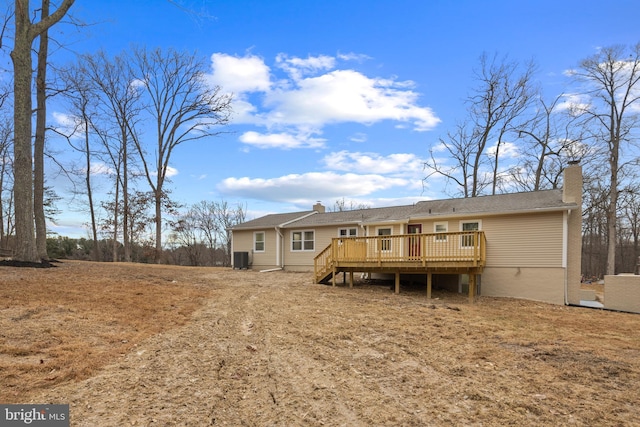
x: 276, y: 350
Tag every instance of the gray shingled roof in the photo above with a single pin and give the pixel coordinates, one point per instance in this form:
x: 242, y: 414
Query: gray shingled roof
x: 373, y: 215
x: 500, y: 203
x: 269, y: 221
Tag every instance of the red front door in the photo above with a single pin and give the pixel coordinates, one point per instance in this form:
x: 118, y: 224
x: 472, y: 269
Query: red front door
x: 414, y: 242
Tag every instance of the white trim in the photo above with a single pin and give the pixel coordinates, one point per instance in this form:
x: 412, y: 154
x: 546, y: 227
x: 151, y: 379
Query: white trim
x: 565, y: 253
x: 297, y: 219
x: 439, y: 239
x: 302, y: 241
x: 390, y: 228
x: 468, y: 221
x: 348, y: 229
x: 279, y: 242
x: 264, y: 241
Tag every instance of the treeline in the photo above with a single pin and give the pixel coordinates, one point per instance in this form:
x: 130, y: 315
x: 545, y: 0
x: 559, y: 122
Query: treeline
x: 198, y: 254
x: 513, y: 137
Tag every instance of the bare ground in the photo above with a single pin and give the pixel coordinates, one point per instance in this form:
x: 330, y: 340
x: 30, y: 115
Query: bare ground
x: 157, y: 345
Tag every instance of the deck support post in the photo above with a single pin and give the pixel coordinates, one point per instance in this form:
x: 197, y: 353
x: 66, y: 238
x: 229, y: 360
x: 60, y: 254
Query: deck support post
x: 333, y: 277
x: 472, y: 288
x: 351, y: 279
x: 397, y: 282
x: 429, y: 282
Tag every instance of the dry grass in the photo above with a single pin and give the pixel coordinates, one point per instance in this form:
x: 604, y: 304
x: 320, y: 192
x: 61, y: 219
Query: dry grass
x: 141, y: 344
x: 62, y: 324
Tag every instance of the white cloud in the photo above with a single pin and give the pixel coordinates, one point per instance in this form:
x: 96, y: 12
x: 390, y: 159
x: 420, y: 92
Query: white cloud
x: 347, y: 96
x: 313, y: 95
x: 281, y: 140
x: 404, y: 164
x: 68, y: 124
x: 508, y: 150
x: 353, y: 57
x: 359, y: 137
x: 240, y: 74
x: 308, y: 186
x: 101, y: 169
x: 297, y: 67
x: 171, y: 171
x: 574, y: 103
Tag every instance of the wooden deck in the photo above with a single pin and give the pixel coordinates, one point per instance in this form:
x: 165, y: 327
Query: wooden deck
x: 436, y: 253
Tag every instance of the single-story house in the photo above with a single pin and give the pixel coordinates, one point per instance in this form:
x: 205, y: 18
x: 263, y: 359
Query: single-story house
x: 523, y: 245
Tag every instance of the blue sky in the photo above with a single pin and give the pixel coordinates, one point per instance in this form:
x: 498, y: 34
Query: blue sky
x: 338, y: 99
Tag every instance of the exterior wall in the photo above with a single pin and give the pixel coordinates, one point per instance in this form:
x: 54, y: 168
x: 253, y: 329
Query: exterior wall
x: 528, y: 240
x: 243, y: 242
x: 303, y: 260
x: 538, y: 284
x: 622, y: 293
x: 524, y: 254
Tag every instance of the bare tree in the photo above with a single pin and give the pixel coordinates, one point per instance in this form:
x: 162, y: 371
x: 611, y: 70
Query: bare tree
x: 611, y: 78
x: 227, y: 217
x: 503, y: 93
x: 80, y: 95
x: 119, y: 101
x: 25, y: 33
x: 183, y: 107
x: 6, y: 217
x: 460, y: 150
x: 551, y: 138
x: 342, y: 205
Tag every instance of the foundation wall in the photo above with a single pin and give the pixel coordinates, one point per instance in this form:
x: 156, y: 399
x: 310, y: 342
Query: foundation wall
x: 622, y: 292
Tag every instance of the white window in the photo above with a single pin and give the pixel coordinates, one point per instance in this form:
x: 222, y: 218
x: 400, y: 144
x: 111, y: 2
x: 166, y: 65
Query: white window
x: 441, y: 227
x: 258, y: 241
x: 385, y: 244
x: 348, y: 232
x: 302, y: 240
x: 467, y: 240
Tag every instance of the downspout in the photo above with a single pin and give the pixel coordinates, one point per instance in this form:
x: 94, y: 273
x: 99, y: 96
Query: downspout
x: 279, y: 249
x: 565, y: 249
x: 279, y: 256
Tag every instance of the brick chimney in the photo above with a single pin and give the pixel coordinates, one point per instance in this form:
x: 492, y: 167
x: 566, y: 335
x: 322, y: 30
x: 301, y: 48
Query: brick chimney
x: 318, y: 207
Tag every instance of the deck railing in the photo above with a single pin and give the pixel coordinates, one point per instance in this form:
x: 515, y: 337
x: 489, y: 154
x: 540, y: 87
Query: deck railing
x: 416, y: 249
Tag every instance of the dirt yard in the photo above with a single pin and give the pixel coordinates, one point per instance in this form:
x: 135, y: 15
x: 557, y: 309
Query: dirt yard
x: 138, y: 345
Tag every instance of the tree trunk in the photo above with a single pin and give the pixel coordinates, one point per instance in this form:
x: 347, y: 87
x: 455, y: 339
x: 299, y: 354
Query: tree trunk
x: 116, y: 205
x: 22, y: 164
x: 612, y: 210
x: 126, y: 241
x: 25, y: 33
x: 158, y: 219
x: 38, y: 149
x: 95, y: 255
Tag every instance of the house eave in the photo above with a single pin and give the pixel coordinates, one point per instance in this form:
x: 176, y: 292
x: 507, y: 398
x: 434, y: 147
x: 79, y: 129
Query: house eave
x: 456, y: 215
